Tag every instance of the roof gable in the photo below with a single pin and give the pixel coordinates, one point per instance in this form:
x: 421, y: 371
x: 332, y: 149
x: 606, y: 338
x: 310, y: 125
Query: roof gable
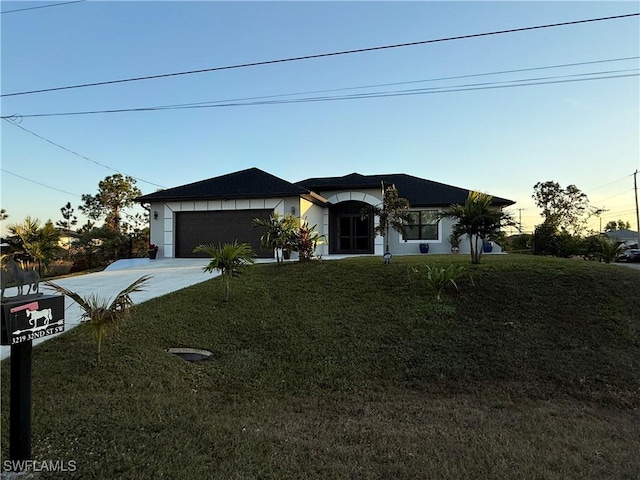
x: 249, y: 183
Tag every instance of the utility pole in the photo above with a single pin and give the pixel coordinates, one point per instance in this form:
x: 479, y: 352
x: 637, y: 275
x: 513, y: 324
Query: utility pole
x: 635, y: 187
x: 520, y: 219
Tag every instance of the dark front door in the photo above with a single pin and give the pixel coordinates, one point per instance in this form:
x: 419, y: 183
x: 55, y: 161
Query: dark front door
x: 351, y: 232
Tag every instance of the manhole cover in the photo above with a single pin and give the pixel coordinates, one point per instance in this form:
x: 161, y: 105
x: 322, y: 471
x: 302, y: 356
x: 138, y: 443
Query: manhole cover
x: 191, y: 354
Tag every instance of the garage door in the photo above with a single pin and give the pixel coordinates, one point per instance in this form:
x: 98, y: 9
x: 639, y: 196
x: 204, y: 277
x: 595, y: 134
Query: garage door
x: 225, y: 226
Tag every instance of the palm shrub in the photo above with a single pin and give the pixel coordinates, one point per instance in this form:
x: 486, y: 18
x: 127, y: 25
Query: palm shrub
x: 280, y: 232
x: 609, y: 250
x: 34, y: 243
x: 438, y: 278
x: 229, y: 259
x: 104, y: 316
x: 478, y: 219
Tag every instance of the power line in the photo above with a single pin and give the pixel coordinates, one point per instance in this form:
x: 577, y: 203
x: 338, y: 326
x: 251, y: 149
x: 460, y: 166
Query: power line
x: 38, y: 183
x: 623, y: 212
x: 194, y: 104
x: 323, y: 55
x: 41, y: 6
x: 502, y: 72
x: 358, y: 96
x: 79, y: 155
x: 611, y: 183
x: 626, y: 192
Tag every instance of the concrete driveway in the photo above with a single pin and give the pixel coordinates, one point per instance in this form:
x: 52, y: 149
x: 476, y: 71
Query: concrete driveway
x: 168, y: 275
x: 630, y: 265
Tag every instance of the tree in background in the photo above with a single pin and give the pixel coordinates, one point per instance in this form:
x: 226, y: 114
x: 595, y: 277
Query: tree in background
x: 115, y: 193
x: 68, y: 220
x: 477, y: 219
x: 566, y: 208
x: 565, y: 212
x: 617, y: 225
x: 98, y: 246
x: 3, y: 214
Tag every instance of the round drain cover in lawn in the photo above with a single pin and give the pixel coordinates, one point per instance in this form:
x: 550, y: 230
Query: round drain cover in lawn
x: 191, y: 354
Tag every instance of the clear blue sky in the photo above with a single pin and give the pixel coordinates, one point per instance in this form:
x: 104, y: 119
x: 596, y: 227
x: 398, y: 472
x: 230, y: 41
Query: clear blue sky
x: 501, y: 141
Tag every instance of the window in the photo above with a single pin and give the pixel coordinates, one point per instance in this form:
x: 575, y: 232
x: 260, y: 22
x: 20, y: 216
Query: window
x: 423, y: 226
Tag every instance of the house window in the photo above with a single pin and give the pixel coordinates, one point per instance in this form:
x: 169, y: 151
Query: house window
x: 423, y: 226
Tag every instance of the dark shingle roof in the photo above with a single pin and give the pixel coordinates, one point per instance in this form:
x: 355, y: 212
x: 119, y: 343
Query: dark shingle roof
x: 250, y: 183
x: 419, y: 192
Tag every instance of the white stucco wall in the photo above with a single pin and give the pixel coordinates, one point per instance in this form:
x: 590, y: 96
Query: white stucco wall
x: 162, y: 228
x: 397, y: 244
x: 315, y: 215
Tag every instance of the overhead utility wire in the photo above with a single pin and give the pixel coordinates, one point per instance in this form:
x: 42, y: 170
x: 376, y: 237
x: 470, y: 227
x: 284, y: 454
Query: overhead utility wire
x: 355, y: 96
x: 323, y: 55
x: 626, y: 192
x: 406, y: 93
x: 611, y: 183
x: 38, y: 183
x: 41, y: 6
x: 403, y: 83
x: 79, y: 155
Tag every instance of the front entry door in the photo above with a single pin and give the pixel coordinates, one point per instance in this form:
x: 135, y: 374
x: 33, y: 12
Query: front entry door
x: 352, y: 233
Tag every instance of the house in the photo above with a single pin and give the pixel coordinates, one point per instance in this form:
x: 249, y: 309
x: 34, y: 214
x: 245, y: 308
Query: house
x: 221, y: 209
x: 628, y: 237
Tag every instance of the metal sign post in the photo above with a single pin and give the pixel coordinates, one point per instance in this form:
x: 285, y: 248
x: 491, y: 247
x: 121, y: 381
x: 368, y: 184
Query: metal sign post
x: 24, y: 319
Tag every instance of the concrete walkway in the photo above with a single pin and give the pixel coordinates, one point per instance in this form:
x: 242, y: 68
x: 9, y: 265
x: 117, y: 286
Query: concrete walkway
x: 168, y: 275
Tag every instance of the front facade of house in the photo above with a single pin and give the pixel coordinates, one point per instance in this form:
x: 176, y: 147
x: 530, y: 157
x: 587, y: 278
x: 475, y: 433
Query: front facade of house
x: 222, y: 209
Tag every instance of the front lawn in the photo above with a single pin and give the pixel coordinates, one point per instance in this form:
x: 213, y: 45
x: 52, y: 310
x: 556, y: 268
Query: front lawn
x: 351, y: 369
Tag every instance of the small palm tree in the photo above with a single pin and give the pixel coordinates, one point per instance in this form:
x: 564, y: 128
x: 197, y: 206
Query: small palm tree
x: 609, y: 250
x: 477, y: 219
x: 279, y: 232
x: 103, y: 316
x: 393, y: 213
x: 33, y: 242
x: 229, y: 258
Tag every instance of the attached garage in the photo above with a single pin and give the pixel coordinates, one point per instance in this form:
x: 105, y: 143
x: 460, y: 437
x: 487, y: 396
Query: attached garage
x: 218, y: 227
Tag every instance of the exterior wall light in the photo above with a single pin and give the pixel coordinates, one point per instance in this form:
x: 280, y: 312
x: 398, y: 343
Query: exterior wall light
x: 155, y: 214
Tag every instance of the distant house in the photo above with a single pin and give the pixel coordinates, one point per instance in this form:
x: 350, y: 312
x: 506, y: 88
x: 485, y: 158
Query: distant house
x: 221, y: 209
x: 629, y: 237
x: 66, y: 237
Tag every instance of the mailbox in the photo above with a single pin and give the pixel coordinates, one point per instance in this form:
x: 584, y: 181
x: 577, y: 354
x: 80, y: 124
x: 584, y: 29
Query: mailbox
x: 31, y: 317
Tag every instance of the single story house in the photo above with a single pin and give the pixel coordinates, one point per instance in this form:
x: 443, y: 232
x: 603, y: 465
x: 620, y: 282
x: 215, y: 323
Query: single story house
x: 222, y: 209
x: 628, y: 237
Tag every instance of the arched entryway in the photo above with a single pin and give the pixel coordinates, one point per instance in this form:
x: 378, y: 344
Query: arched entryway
x: 349, y: 232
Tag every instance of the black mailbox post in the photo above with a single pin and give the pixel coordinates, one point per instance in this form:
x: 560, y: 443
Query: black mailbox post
x: 25, y: 319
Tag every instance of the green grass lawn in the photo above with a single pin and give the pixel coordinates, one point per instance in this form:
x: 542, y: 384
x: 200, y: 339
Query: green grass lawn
x: 351, y: 370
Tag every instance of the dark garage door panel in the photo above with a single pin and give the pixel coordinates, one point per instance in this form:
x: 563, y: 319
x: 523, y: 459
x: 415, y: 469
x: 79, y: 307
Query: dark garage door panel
x: 221, y: 226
